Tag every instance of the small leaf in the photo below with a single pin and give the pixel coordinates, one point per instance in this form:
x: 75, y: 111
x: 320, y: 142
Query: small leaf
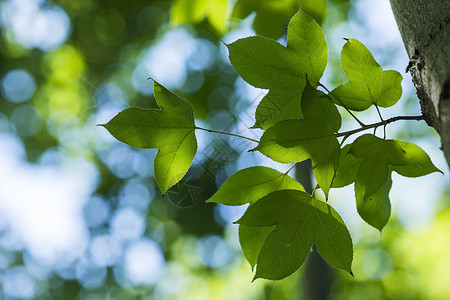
x: 300, y: 221
x: 170, y: 129
x: 348, y: 168
x: 313, y: 137
x: 251, y: 184
x: 419, y: 162
x: 376, y: 209
x: 368, y: 83
x: 378, y: 155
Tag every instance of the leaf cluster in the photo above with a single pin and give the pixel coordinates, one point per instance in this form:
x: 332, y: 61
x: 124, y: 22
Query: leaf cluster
x: 300, y: 121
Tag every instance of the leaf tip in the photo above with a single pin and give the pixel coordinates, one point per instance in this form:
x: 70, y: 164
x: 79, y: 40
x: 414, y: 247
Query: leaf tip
x: 346, y: 39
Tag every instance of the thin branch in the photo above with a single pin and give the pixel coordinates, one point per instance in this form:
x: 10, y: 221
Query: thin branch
x: 227, y: 133
x: 375, y: 125
x: 379, y: 113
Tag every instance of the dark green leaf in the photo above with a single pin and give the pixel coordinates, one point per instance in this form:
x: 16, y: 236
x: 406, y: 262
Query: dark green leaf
x: 313, y: 137
x: 376, y: 209
x: 378, y: 155
x: 300, y: 221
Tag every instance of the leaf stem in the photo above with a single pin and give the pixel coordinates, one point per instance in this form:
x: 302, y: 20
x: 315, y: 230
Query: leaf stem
x: 227, y: 133
x: 382, y: 123
x: 353, y: 116
x: 285, y: 173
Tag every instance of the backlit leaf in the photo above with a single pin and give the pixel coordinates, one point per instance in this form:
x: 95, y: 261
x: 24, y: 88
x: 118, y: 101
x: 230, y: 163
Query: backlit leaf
x: 419, y: 162
x: 251, y: 240
x: 368, y: 83
x: 251, y: 184
x: 348, y: 168
x: 170, y: 129
x: 301, y: 221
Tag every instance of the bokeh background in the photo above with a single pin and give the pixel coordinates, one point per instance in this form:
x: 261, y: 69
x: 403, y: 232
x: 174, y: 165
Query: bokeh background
x: 81, y: 216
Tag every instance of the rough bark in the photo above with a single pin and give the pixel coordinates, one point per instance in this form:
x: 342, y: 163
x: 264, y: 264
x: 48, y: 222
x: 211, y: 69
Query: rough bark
x: 425, y: 29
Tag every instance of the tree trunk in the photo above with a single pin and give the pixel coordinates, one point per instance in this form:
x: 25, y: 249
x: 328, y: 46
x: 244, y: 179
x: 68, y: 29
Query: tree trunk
x: 425, y: 29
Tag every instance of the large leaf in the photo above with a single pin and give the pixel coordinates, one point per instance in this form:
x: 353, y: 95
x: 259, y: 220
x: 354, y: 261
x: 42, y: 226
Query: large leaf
x: 251, y: 240
x: 170, y: 129
x: 301, y: 221
x: 368, y: 83
x: 378, y: 154
x: 251, y: 184
x: 419, y: 162
x: 376, y: 209
x: 312, y: 137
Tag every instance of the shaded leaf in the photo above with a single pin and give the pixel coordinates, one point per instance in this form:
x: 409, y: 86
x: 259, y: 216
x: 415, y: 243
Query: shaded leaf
x: 378, y: 155
x: 313, y: 137
x: 376, y: 209
x: 170, y: 129
x: 301, y: 221
x: 251, y: 184
x: 348, y: 168
x: 368, y: 83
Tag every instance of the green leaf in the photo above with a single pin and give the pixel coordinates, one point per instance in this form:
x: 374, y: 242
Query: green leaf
x: 347, y: 170
x: 251, y: 184
x: 251, y: 240
x: 301, y: 221
x: 306, y: 40
x: 419, y: 162
x: 266, y: 64
x: 368, y: 83
x: 170, y: 129
x: 278, y: 105
x: 313, y: 137
x: 378, y: 155
x: 376, y: 209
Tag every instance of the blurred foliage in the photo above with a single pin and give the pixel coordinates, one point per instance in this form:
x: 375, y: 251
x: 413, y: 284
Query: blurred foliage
x: 69, y: 65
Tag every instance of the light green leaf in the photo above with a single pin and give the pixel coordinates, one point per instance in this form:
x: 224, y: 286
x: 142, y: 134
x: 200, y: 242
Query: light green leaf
x: 313, y: 137
x: 348, y: 168
x: 170, y: 129
x: 368, y: 83
x: 251, y: 184
x: 376, y: 209
x: 251, y: 240
x: 306, y: 40
x: 419, y: 162
x: 301, y: 221
x: 266, y: 64
x: 378, y: 155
